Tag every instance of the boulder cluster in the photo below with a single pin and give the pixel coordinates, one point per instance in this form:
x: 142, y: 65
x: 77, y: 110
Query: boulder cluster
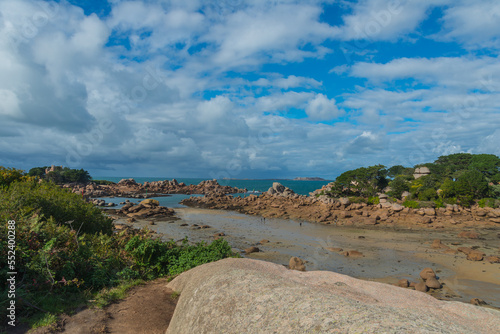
x: 147, y: 209
x: 428, y: 281
x: 130, y: 188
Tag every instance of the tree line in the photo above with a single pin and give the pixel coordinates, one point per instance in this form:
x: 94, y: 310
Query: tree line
x: 457, y: 178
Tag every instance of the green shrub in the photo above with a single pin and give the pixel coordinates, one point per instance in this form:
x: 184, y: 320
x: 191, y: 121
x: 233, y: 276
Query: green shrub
x: 49, y: 200
x: 153, y: 258
x: 487, y: 202
x: 374, y: 200
x: 411, y: 204
x: 398, y: 186
x: 357, y: 199
x: 466, y: 201
x: 439, y: 203
x: 427, y: 195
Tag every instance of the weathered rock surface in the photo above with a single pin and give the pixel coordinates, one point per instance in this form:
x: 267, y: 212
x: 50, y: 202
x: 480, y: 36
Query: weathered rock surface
x: 433, y: 283
x: 251, y: 250
x: 427, y: 273
x: 475, y: 256
x: 468, y: 235
x: 149, y: 208
x: 250, y: 296
x: 296, y: 263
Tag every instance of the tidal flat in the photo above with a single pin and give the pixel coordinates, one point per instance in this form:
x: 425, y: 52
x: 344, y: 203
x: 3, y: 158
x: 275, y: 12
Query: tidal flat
x: 389, y: 254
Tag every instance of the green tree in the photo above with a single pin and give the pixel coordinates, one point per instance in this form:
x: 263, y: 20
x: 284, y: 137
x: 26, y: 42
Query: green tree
x: 37, y: 171
x: 399, y: 185
x: 448, y: 189
x: 364, y: 181
x: 487, y: 164
x: 399, y: 170
x: 471, y: 183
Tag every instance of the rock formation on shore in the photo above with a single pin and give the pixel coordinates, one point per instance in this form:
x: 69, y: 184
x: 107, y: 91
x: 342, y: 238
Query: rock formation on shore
x: 280, y: 201
x: 250, y: 296
x: 130, y: 188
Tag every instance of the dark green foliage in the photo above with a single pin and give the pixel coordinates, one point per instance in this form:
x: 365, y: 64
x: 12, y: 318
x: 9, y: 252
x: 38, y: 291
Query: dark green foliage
x: 488, y: 202
x: 428, y: 194
x: 399, y: 185
x: 470, y: 185
x: 439, y: 203
x: 37, y: 171
x: 399, y: 170
x: 487, y: 164
x: 61, y: 175
x: 364, y: 181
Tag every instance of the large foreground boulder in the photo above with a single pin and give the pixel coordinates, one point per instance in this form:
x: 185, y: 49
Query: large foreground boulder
x: 250, y: 296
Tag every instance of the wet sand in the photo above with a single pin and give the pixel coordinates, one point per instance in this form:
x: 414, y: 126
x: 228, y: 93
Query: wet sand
x: 389, y: 254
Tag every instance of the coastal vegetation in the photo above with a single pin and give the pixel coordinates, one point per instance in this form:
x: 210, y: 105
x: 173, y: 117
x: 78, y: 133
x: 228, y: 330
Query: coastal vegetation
x: 66, y: 253
x: 461, y: 178
x: 59, y: 174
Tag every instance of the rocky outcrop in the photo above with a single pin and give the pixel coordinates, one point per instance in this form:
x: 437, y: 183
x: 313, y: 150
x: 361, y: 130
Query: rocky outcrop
x: 280, y: 190
x: 279, y: 202
x: 147, y: 209
x: 130, y: 188
x: 250, y: 296
x: 421, y: 171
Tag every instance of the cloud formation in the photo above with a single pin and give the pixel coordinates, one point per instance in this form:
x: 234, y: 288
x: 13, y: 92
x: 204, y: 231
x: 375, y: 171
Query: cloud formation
x: 245, y: 88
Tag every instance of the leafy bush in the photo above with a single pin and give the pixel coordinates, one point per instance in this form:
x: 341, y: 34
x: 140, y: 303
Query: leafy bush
x: 439, y: 203
x: 398, y: 186
x: 374, y: 200
x: 488, y: 202
x: 357, y: 199
x: 427, y: 195
x: 154, y: 258
x: 49, y: 200
x: 10, y: 175
x: 411, y: 204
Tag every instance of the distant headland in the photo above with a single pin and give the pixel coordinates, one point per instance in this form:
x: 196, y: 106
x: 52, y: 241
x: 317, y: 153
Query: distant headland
x: 309, y: 179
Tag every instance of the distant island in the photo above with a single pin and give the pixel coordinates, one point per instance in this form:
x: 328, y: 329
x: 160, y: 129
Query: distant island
x: 309, y: 179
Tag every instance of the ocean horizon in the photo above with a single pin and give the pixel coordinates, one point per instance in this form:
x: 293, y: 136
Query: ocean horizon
x: 300, y: 187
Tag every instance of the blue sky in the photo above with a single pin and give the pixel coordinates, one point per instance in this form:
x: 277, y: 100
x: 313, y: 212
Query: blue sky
x: 246, y: 89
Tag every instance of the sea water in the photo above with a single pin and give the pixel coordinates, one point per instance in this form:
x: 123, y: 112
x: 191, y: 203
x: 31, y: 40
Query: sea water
x: 299, y: 187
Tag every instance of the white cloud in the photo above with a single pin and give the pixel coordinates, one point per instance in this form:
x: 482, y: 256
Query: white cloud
x: 9, y: 103
x: 458, y: 72
x: 276, y: 34
x: 475, y: 24
x: 380, y: 20
x: 322, y: 108
x: 366, y: 143
x: 204, y: 90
